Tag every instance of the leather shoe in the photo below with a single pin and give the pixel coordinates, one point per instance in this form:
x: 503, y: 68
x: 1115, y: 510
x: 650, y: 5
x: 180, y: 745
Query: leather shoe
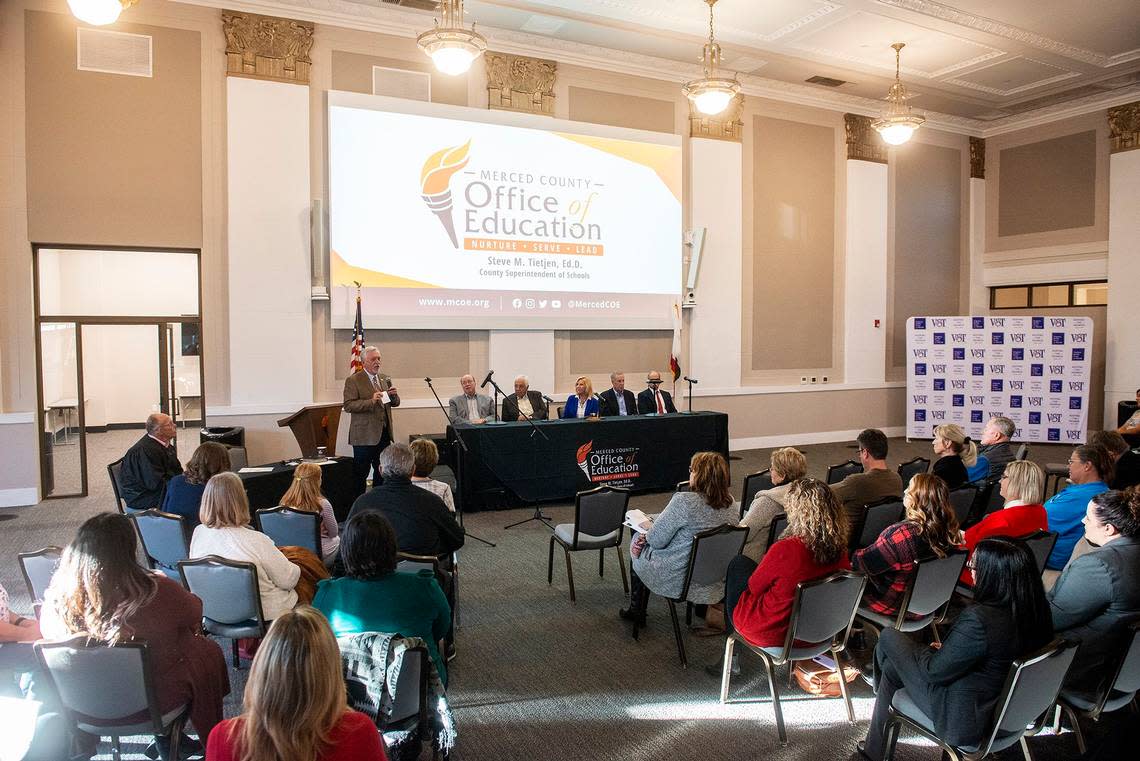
x: 629, y: 614
x: 860, y: 753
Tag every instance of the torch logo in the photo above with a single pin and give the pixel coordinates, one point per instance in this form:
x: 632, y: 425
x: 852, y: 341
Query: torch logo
x: 435, y: 184
x: 583, y: 456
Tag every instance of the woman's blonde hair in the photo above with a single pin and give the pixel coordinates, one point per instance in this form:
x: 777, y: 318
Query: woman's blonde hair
x: 295, y: 694
x: 305, y: 491
x: 589, y: 384
x: 426, y: 456
x: 1026, y: 481
x: 789, y: 462
x: 817, y: 518
x: 960, y: 443
x: 224, y: 503
x: 710, y: 479
x: 927, y: 501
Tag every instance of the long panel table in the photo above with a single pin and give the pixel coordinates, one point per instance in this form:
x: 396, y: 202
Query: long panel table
x: 508, y: 464
x: 265, y: 490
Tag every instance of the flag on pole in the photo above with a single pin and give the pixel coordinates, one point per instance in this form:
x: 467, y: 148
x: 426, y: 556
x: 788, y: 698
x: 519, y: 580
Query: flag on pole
x: 354, y: 362
x: 675, y: 353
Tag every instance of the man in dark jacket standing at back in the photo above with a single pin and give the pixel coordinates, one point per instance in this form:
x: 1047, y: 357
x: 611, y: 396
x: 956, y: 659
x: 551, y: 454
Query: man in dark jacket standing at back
x: 149, y: 464
x: 423, y: 524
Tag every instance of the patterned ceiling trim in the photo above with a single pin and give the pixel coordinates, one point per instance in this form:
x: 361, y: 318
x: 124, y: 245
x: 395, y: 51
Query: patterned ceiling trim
x: 907, y: 70
x: 1001, y: 29
x: 1022, y: 88
x: 405, y: 23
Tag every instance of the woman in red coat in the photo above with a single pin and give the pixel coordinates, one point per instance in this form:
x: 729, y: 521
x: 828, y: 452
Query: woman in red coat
x: 813, y: 546
x: 1022, y: 486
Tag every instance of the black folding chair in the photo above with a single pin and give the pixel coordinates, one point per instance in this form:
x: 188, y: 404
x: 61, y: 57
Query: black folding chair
x: 836, y: 473
x: 753, y: 484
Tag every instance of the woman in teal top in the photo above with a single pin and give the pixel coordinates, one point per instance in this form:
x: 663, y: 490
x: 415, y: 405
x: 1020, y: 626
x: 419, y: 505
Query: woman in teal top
x: 1090, y: 467
x: 374, y: 597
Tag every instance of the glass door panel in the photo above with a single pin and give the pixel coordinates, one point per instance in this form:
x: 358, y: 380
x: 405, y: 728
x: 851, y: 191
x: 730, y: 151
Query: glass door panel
x: 63, y: 459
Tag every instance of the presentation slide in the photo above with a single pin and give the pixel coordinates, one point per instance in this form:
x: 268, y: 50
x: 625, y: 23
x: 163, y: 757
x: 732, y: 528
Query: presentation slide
x: 457, y: 217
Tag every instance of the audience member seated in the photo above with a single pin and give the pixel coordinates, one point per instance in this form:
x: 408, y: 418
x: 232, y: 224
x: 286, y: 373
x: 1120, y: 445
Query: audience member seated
x: 1126, y: 463
x: 374, y: 597
x: 295, y: 704
x: 582, y: 403
x: 784, y: 466
x: 305, y: 494
x: 995, y: 445
x: 1022, y: 486
x: 225, y: 532
x: 99, y: 588
x: 928, y: 529
x: 758, y: 598
x: 470, y: 406
x: 660, y: 558
x: 876, y: 482
x: 524, y: 404
x: 421, y: 520
x: 425, y: 456
x: 956, y: 452
x: 1089, y: 469
x: 16, y: 634
x: 1098, y: 595
x: 149, y: 464
x: 653, y: 400
x: 184, y: 492
x: 617, y: 400
x: 1131, y: 428
x: 958, y: 684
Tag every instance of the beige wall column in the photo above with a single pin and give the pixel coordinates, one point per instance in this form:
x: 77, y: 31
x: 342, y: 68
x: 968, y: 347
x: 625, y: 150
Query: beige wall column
x: 979, y: 295
x: 865, y: 271
x: 1122, y: 360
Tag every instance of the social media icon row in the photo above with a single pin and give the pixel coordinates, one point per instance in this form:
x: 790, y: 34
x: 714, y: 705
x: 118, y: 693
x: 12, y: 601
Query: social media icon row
x: 537, y: 303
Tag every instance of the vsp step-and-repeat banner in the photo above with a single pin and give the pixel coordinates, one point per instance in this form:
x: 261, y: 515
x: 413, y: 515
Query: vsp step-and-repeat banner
x: 1033, y: 370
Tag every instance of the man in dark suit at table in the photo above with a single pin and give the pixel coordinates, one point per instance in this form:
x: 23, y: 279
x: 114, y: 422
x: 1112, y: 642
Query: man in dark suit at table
x: 368, y: 397
x: 524, y: 403
x: 617, y: 400
x: 149, y: 464
x: 653, y: 400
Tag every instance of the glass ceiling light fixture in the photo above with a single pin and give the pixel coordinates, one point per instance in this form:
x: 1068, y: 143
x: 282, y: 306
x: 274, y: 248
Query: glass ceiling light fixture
x: 98, y: 12
x: 452, y: 46
x: 712, y: 93
x: 898, y: 122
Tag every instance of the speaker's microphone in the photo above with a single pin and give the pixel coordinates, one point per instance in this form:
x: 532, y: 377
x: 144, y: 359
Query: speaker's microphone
x: 690, y: 380
x: 487, y: 379
x: 427, y: 380
x: 547, y: 399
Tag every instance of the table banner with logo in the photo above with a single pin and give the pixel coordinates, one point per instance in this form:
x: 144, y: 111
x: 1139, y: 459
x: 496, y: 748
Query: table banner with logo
x: 510, y: 464
x: 1034, y: 370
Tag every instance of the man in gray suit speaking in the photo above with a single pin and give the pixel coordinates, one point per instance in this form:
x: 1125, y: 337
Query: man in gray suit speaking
x: 368, y: 397
x: 469, y: 406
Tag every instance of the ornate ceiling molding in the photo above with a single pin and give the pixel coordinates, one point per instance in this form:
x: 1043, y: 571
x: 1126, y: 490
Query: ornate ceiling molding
x: 267, y: 47
x: 863, y: 142
x: 1010, y: 32
x: 977, y: 158
x: 520, y: 83
x: 1124, y: 127
x: 727, y: 125
x: 1021, y: 88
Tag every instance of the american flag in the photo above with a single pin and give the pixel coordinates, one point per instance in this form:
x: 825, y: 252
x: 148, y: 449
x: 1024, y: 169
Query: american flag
x: 354, y: 362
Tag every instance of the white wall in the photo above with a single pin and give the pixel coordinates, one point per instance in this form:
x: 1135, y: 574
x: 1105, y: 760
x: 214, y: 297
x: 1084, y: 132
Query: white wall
x: 865, y: 274
x: 120, y: 373
x: 1122, y: 350
x: 511, y: 353
x: 148, y: 283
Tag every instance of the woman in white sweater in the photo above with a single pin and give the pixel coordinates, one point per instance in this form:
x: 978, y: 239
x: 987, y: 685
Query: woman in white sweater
x: 225, y: 532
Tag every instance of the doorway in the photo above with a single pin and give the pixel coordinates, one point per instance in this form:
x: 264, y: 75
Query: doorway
x: 118, y: 338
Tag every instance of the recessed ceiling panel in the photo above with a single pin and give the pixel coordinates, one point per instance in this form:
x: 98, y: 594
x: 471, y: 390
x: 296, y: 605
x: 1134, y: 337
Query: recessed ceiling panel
x: 1012, y: 76
x: 866, y: 38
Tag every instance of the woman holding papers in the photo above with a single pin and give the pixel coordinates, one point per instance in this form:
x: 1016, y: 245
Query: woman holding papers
x: 660, y: 557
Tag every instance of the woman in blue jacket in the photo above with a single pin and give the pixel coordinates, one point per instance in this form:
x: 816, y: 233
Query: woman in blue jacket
x: 1090, y: 469
x: 582, y: 403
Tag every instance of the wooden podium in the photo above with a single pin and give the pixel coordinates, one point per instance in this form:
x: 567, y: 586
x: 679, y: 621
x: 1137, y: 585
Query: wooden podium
x: 314, y: 426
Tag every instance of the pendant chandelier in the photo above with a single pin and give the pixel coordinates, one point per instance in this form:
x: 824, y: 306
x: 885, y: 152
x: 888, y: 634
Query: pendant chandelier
x: 98, y: 12
x: 898, y: 122
x: 712, y: 93
x: 451, y: 45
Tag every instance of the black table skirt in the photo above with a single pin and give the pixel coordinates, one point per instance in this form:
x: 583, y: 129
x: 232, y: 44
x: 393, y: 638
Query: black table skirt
x: 266, y: 489
x: 508, y: 465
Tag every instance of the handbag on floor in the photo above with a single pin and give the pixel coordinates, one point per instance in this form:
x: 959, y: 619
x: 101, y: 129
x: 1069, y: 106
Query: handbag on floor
x: 819, y: 676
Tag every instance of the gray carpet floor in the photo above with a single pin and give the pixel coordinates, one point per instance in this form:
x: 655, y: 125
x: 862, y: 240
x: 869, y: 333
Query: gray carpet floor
x: 540, y: 678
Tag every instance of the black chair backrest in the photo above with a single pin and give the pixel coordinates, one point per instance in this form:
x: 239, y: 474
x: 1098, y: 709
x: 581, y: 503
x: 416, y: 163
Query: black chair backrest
x: 912, y: 468
x: 1040, y: 543
x: 836, y: 473
x: 876, y: 517
x: 712, y: 550
x: 1022, y: 452
x: 289, y: 527
x: 983, y: 496
x: 38, y: 568
x: 165, y: 538
x: 933, y: 583
x: 113, y: 473
x: 110, y: 685
x: 995, y: 501
x: 962, y: 501
x: 411, y: 687
x: 228, y: 588
x: 599, y: 512
x: 779, y: 523
x: 1031, y: 689
x: 682, y: 486
x: 753, y: 483
x: 823, y: 609
x: 1127, y: 677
